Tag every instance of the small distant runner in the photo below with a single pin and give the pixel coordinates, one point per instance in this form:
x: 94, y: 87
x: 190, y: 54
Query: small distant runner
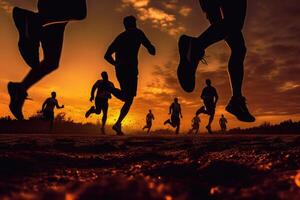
x: 149, y: 119
x: 210, y: 98
x: 48, y: 109
x: 175, y: 112
x: 223, y: 123
x: 195, y: 125
x: 101, y: 100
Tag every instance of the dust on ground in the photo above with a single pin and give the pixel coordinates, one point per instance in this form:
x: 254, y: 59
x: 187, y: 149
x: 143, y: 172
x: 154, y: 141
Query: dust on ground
x: 149, y: 167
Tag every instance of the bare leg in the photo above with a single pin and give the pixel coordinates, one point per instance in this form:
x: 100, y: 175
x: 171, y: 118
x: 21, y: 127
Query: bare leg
x: 52, y: 42
x: 234, y: 13
x: 125, y: 109
x: 236, y: 62
x: 177, y: 129
x: 211, y: 119
x: 104, y: 119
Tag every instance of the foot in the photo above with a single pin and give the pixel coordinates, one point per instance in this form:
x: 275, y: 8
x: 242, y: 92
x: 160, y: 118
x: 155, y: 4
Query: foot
x: 118, y: 129
x: 209, y: 129
x: 89, y: 112
x: 238, y: 107
x: 17, y: 98
x: 190, y: 55
x: 29, y: 29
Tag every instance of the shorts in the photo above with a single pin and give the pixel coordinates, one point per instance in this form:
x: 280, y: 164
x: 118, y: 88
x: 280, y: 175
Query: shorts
x: 48, y: 115
x: 61, y: 10
x: 128, y: 82
x: 101, y: 104
x: 210, y: 107
x: 149, y: 124
x: 175, y: 120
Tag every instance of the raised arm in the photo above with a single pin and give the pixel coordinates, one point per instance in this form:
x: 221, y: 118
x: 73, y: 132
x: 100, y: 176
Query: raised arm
x: 147, y: 44
x: 58, y: 106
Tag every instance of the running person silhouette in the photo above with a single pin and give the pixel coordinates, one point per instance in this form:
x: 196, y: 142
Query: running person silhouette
x: 149, y: 119
x: 101, y: 100
x: 48, y: 109
x: 126, y: 48
x: 195, y: 125
x: 175, y: 112
x: 210, y: 99
x: 46, y: 28
x: 227, y: 20
x: 223, y: 123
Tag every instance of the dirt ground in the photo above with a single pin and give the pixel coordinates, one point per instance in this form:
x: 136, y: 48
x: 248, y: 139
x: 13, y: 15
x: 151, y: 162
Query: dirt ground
x: 145, y: 167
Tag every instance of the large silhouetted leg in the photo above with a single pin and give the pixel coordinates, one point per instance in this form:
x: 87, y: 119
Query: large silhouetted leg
x: 52, y: 43
x: 123, y: 113
x: 236, y: 62
x: 192, y: 50
x: 52, y: 40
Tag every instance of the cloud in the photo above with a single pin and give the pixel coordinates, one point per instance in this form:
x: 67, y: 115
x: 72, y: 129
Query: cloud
x: 6, y: 6
x: 159, y: 18
x: 185, y: 11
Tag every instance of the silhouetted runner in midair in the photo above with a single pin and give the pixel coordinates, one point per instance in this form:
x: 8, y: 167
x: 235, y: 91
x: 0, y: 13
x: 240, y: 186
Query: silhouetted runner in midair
x: 210, y: 99
x: 223, y: 123
x: 227, y: 20
x: 46, y: 27
x: 149, y: 119
x: 195, y: 125
x: 126, y: 48
x: 101, y: 99
x: 48, y: 109
x: 175, y: 112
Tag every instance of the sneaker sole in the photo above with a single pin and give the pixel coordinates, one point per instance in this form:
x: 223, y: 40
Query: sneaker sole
x: 239, y: 117
x: 12, y: 108
x: 185, y: 76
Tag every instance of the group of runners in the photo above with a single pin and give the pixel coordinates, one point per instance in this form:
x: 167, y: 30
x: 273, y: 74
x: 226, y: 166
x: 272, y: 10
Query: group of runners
x: 46, y: 28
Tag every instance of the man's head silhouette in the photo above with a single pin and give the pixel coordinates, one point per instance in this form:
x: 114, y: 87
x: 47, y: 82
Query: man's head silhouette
x: 104, y: 76
x: 150, y: 111
x: 208, y: 82
x: 53, y: 95
x: 129, y: 22
x: 176, y: 100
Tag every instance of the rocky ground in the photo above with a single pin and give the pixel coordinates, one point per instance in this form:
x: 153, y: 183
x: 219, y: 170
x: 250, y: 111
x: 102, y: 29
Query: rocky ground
x: 149, y: 167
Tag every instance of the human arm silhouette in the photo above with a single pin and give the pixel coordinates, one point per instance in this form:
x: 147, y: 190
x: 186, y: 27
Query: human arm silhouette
x: 93, y: 91
x: 216, y: 97
x: 44, y: 105
x: 58, y: 106
x: 170, y: 109
x: 148, y: 45
x: 108, y: 55
x: 180, y: 111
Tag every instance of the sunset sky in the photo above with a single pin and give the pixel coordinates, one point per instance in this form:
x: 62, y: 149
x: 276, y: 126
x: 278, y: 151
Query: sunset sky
x: 272, y: 84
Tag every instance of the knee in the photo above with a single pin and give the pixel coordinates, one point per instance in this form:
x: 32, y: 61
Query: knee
x: 50, y: 66
x: 239, y: 49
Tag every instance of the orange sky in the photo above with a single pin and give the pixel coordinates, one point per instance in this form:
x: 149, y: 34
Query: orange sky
x: 272, y: 65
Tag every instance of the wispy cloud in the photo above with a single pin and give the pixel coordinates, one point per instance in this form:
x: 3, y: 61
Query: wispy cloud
x: 6, y: 6
x: 160, y: 18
